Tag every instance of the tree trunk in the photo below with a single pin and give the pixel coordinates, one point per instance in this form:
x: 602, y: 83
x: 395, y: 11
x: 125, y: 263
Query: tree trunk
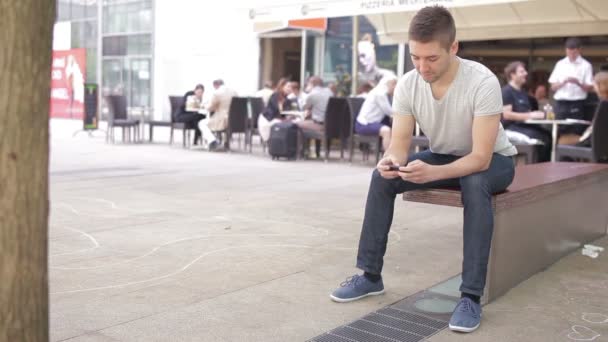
x: 26, y: 30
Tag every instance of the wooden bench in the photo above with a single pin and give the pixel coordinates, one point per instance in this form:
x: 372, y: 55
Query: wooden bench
x: 549, y: 210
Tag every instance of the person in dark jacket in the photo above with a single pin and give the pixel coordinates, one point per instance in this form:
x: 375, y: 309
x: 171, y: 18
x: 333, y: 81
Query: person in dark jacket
x: 517, y: 109
x: 189, y: 111
x: 277, y: 103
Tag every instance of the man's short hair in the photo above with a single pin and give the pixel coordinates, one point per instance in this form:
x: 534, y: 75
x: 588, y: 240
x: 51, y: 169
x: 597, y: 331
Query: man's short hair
x: 433, y: 23
x: 511, y: 68
x: 316, y: 81
x: 199, y: 86
x: 218, y: 82
x: 573, y: 43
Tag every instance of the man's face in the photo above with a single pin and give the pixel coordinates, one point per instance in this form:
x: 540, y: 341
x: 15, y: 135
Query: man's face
x: 295, y: 89
x: 519, y: 77
x: 573, y: 53
x: 431, y: 60
x: 198, y: 92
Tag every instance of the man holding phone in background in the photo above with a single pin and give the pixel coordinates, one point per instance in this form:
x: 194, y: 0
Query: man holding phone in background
x: 458, y: 104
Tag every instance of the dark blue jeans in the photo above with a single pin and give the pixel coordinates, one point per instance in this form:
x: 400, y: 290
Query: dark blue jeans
x: 476, y: 189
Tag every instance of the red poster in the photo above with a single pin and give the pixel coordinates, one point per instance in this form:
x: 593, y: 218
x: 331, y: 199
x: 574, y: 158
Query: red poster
x: 67, y: 84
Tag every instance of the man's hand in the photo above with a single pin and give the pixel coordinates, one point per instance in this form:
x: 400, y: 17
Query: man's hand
x: 419, y: 172
x: 537, y: 115
x: 572, y: 80
x: 575, y: 80
x: 384, y: 164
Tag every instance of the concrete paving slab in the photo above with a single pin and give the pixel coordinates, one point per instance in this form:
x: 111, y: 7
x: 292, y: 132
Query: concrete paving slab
x: 156, y: 243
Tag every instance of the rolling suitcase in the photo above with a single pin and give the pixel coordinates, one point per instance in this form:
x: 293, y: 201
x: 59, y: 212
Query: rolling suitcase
x: 283, y: 141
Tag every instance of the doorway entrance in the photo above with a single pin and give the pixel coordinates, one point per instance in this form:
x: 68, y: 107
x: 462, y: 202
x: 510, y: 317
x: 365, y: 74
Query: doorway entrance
x: 281, y: 57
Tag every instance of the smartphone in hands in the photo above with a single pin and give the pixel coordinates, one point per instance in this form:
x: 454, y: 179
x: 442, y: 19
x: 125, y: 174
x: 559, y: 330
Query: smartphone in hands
x: 396, y: 168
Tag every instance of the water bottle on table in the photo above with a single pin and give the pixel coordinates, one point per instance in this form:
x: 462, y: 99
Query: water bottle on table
x: 549, y: 114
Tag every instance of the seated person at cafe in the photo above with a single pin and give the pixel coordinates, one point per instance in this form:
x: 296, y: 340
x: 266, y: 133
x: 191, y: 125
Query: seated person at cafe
x: 277, y: 103
x: 375, y: 115
x: 189, y: 110
x: 600, y: 84
x: 517, y: 109
x: 540, y: 94
x: 297, y: 95
x: 364, y: 89
x: 218, y: 107
x: 315, y: 108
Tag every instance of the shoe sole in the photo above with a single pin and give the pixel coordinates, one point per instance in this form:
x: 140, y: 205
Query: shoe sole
x: 463, y: 329
x: 346, y: 300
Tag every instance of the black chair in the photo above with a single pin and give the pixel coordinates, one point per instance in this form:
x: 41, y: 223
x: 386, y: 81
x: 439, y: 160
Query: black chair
x: 336, y: 126
x: 354, y: 106
x: 238, y: 120
x: 117, y: 106
x: 598, y: 152
x: 176, y: 103
x: 256, y: 104
x: 529, y: 151
x: 420, y: 141
x: 158, y: 123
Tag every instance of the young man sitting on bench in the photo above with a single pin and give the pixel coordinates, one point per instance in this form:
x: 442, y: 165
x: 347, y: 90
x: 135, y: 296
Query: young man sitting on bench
x: 458, y: 104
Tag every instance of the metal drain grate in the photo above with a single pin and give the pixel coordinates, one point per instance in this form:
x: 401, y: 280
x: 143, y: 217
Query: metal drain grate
x: 411, y: 319
x: 387, y: 324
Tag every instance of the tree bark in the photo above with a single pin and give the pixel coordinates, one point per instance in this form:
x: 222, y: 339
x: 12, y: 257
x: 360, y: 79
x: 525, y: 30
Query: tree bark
x: 26, y: 30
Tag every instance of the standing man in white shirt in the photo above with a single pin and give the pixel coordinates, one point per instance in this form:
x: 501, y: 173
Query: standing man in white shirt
x: 571, y: 80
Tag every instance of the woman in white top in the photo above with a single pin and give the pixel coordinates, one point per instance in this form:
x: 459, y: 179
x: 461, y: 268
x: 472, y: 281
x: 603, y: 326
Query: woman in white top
x: 375, y: 114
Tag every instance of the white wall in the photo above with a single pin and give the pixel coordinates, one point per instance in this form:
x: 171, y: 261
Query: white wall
x: 199, y: 41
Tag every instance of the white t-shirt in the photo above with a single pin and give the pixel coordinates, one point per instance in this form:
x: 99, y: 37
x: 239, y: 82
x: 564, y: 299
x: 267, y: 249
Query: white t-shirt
x: 375, y: 107
x: 581, y: 69
x: 448, y: 122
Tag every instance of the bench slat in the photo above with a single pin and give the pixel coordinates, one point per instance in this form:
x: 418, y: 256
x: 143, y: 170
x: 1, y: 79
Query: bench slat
x: 532, y: 182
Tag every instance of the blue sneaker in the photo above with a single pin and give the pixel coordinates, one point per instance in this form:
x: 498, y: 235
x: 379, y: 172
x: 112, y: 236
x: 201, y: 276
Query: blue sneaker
x: 356, y: 287
x: 466, y: 316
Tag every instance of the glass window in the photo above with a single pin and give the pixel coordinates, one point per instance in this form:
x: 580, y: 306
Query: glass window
x: 310, y: 57
x: 112, y: 71
x: 139, y: 44
x: 126, y: 17
x: 338, y: 53
x: 83, y: 9
x: 84, y: 34
x: 140, y: 82
x: 63, y: 10
x: 114, y: 46
x: 386, y: 56
x: 91, y: 8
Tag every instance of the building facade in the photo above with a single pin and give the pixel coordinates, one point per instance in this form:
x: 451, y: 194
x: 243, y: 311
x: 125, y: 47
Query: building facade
x: 148, y: 50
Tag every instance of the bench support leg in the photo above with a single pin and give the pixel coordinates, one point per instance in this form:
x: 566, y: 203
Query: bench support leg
x: 531, y: 237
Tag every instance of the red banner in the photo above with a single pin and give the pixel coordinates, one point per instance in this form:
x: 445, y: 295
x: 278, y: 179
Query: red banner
x: 67, y: 84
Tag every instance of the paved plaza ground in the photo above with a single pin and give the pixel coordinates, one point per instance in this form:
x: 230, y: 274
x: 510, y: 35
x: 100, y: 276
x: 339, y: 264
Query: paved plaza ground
x: 156, y: 243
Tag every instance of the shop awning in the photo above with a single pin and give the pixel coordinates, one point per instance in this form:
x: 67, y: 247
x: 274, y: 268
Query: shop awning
x: 522, y: 19
x: 289, y: 28
x: 475, y: 19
